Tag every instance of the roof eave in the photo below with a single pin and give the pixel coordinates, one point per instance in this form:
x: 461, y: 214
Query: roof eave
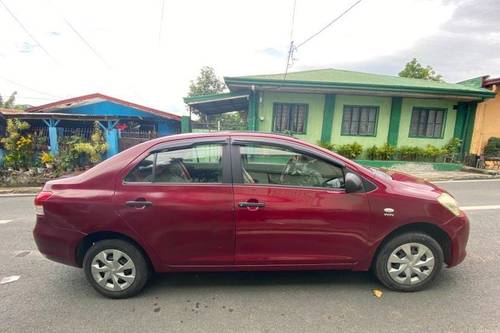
x: 143, y: 108
x: 190, y: 100
x: 238, y: 81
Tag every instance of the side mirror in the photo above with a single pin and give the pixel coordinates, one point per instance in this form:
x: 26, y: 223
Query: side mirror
x: 353, y: 183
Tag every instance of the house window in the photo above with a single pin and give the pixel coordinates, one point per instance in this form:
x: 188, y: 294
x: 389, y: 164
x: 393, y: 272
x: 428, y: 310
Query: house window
x: 290, y: 117
x: 359, y: 120
x: 427, y: 122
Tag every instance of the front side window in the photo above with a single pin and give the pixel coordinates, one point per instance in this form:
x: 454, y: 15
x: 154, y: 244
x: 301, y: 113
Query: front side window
x: 266, y: 164
x: 198, y: 164
x: 427, y: 122
x: 290, y: 118
x: 359, y: 120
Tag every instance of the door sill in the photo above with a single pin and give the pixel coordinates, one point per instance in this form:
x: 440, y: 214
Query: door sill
x: 261, y: 267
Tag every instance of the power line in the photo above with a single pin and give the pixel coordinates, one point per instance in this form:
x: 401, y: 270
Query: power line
x: 291, y: 47
x: 161, y: 20
x: 329, y: 24
x: 80, y: 36
x: 86, y: 42
x: 29, y: 88
x: 27, y: 31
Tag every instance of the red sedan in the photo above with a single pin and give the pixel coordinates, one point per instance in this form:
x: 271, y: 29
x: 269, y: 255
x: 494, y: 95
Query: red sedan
x: 245, y: 201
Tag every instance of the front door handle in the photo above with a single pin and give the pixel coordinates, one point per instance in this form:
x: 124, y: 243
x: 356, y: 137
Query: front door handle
x: 252, y: 204
x: 139, y: 203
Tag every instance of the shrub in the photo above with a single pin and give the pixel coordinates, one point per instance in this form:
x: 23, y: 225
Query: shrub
x: 492, y: 148
x: 18, y: 147
x: 453, y: 146
x: 94, y: 149
x: 410, y: 153
x: 74, y: 152
x: 350, y: 150
x: 326, y: 145
x: 386, y: 152
x: 433, y: 153
x: 68, y: 158
x: 372, y: 153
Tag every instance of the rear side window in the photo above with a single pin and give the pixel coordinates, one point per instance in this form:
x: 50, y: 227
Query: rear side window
x: 143, y: 172
x: 198, y: 164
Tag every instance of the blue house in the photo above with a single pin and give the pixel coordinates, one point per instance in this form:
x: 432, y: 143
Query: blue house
x: 124, y: 123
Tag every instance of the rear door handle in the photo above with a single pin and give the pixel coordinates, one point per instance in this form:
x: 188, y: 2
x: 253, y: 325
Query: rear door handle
x: 252, y: 204
x: 139, y: 203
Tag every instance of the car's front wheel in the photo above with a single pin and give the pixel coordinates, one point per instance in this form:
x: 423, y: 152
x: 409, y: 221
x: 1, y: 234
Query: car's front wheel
x: 116, y: 268
x: 409, y: 262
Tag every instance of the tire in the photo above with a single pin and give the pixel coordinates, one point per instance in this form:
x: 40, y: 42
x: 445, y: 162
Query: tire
x: 120, y: 267
x: 423, y: 264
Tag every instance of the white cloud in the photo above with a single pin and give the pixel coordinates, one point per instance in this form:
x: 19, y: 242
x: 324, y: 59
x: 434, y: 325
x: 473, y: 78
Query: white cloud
x: 235, y: 37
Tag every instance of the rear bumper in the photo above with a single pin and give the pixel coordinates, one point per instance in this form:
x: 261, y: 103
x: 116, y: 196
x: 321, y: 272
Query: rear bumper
x: 458, y: 230
x: 55, y: 243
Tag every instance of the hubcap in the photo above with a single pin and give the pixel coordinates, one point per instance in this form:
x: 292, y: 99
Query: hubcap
x: 410, y: 263
x: 113, y: 270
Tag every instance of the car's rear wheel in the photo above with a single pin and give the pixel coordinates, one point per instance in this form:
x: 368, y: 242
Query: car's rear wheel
x: 409, y: 262
x: 116, y: 268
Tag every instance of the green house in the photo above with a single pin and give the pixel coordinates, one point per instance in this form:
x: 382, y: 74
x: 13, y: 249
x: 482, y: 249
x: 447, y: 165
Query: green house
x: 339, y: 107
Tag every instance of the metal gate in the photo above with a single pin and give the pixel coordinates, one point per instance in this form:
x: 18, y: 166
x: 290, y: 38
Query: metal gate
x: 129, y: 139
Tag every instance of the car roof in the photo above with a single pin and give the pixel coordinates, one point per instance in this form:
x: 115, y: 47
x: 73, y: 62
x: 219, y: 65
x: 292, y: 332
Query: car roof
x: 259, y: 135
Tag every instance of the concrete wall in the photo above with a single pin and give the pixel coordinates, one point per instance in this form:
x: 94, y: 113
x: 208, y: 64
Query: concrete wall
x: 487, y: 122
x: 316, y: 103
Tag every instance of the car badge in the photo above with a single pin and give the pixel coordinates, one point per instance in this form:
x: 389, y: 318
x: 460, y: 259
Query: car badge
x: 388, y: 212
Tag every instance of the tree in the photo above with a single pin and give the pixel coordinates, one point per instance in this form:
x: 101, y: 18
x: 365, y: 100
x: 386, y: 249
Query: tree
x: 414, y: 69
x: 206, y: 83
x: 10, y: 102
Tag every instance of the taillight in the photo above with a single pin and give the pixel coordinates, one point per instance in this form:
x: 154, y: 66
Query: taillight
x: 39, y: 200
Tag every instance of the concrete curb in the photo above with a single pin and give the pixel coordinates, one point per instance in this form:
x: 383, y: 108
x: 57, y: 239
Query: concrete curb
x: 13, y: 195
x: 481, y: 171
x: 19, y: 191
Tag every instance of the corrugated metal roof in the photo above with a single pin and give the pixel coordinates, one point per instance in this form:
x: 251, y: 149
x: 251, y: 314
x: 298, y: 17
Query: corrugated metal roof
x: 357, y: 80
x: 95, y: 98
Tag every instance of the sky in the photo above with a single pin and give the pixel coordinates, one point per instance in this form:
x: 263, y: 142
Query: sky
x: 148, y: 51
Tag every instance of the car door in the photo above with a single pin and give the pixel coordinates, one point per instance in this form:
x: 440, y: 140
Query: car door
x: 179, y: 200
x: 292, y: 208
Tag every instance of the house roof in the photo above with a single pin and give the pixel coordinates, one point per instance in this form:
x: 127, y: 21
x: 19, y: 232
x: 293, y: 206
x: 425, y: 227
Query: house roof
x: 218, y: 103
x: 487, y: 82
x: 22, y: 114
x: 9, y: 111
x: 96, y: 98
x: 335, y: 79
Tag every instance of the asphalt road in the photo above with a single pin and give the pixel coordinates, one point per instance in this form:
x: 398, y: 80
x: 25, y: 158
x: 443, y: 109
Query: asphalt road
x: 53, y: 297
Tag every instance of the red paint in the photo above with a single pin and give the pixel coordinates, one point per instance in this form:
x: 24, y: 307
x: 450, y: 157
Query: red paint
x: 202, y: 226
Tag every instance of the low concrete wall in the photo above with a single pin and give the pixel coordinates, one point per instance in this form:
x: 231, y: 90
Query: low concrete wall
x: 418, y: 166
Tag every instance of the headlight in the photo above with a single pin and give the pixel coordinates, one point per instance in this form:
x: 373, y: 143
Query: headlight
x: 449, y: 203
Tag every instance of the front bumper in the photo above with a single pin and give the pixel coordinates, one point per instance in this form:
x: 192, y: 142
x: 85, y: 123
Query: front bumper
x: 458, y: 230
x: 56, y: 243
